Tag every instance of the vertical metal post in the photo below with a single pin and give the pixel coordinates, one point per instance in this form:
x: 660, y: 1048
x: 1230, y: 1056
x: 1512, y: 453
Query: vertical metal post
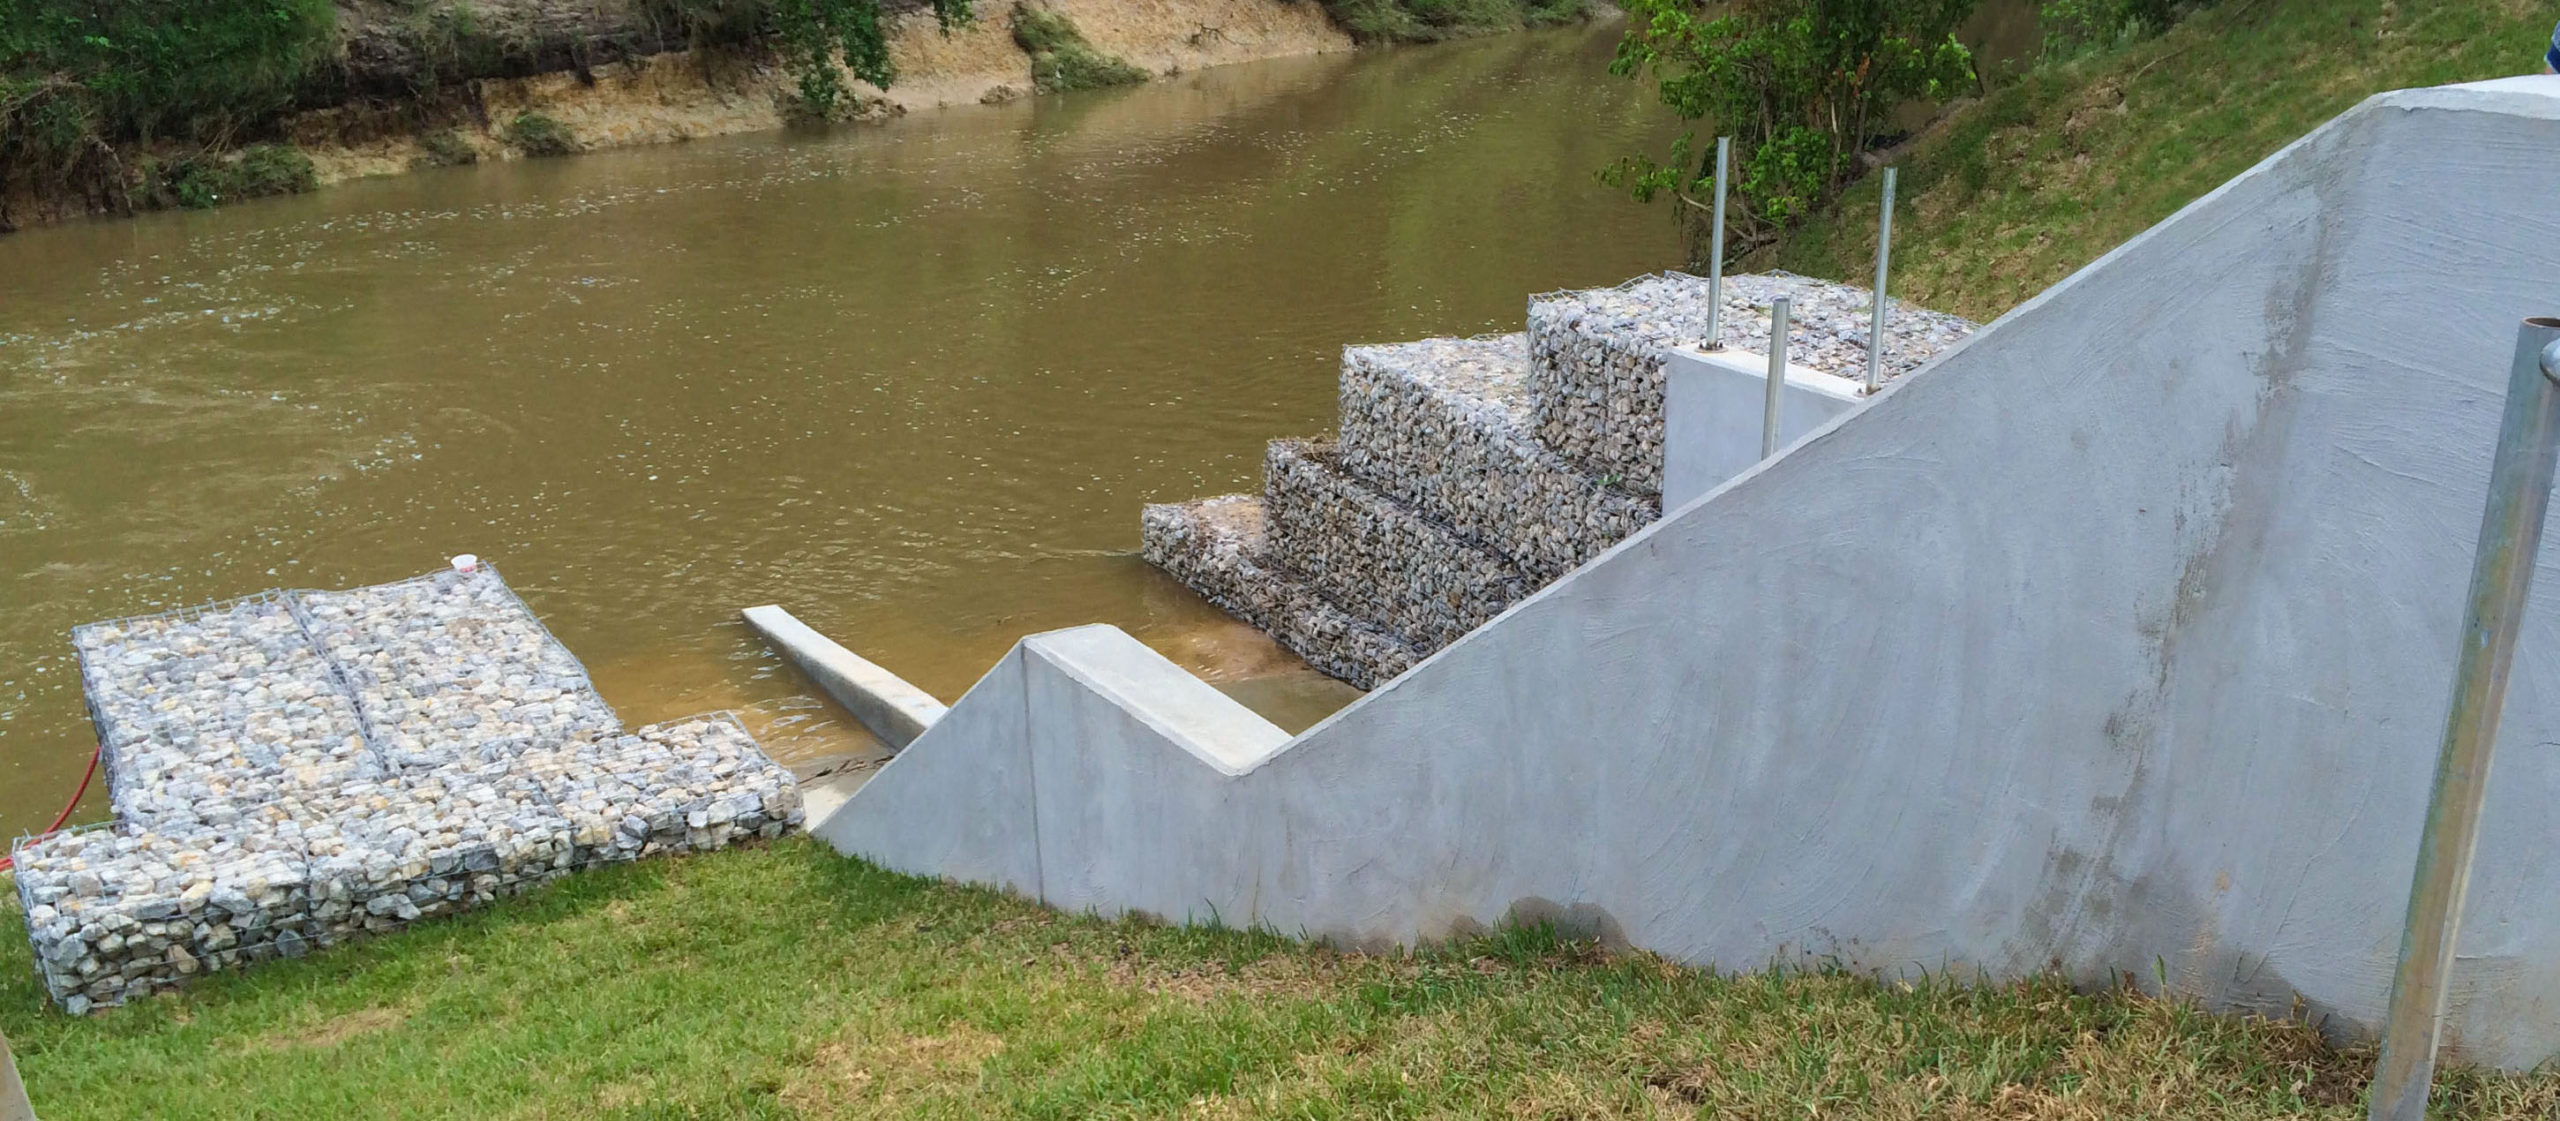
x: 1778, y: 313
x: 2501, y: 579
x: 1715, y: 248
x: 13, y: 1094
x: 1884, y: 257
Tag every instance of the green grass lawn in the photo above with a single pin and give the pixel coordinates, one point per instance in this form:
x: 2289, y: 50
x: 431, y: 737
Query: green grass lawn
x: 2020, y: 189
x: 786, y: 981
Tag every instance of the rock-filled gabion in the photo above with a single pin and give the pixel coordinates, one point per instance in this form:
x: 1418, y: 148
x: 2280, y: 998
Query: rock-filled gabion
x: 1596, y: 355
x: 1470, y: 472
x: 116, y: 911
x: 1376, y: 557
x: 1444, y: 425
x: 1216, y: 546
x: 256, y: 815
x: 449, y: 661
x: 202, y: 714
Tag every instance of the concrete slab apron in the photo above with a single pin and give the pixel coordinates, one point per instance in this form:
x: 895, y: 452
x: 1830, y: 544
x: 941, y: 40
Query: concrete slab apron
x: 2120, y: 635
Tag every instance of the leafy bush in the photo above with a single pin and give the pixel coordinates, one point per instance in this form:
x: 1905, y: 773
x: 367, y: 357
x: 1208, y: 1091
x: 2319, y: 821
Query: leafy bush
x: 2077, y: 27
x: 201, y: 180
x: 1802, y: 86
x: 447, y: 148
x: 814, y: 34
x: 1061, y: 59
x: 537, y: 135
x: 80, y: 80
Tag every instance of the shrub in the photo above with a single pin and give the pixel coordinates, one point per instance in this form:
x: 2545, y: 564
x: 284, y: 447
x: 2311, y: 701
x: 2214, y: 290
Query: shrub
x: 78, y: 81
x: 536, y: 135
x: 1802, y: 86
x: 2077, y: 27
x: 204, y: 179
x: 1061, y: 59
x: 447, y: 148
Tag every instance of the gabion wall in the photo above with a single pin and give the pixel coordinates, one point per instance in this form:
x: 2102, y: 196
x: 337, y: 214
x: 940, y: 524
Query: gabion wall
x: 291, y: 769
x: 1595, y: 357
x: 1444, y: 426
x: 1375, y: 556
x: 1215, y: 545
x: 1471, y: 472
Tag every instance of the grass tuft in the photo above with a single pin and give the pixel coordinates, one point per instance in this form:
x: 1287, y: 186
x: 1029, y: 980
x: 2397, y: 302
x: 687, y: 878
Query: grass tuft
x: 446, y: 148
x: 204, y: 179
x: 1061, y: 59
x: 2020, y: 189
x: 785, y: 981
x: 537, y: 135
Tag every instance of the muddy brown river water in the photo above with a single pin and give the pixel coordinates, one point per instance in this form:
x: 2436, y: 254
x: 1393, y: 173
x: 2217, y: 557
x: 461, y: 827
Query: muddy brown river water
x: 912, y: 381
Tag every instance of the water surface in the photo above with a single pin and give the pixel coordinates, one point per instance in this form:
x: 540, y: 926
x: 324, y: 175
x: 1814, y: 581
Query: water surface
x: 912, y: 381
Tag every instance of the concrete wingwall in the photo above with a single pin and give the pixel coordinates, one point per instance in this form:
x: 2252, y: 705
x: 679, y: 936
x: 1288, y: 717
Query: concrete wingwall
x: 2120, y: 635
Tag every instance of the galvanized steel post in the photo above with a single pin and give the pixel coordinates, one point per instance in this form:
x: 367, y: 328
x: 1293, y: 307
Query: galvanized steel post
x: 1778, y: 313
x: 1884, y: 256
x: 1715, y: 249
x: 2501, y: 579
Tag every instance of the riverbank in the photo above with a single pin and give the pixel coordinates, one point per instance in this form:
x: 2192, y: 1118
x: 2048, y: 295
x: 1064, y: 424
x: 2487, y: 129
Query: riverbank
x: 786, y: 981
x: 2017, y: 190
x: 285, y: 96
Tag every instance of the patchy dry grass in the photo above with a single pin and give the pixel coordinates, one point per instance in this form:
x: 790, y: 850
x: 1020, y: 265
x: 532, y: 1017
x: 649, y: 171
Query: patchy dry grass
x: 2022, y: 188
x: 786, y: 982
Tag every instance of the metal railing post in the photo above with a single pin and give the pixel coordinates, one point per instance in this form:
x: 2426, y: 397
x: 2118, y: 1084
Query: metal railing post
x: 1884, y: 257
x: 1778, y: 313
x: 2501, y: 579
x: 1715, y: 249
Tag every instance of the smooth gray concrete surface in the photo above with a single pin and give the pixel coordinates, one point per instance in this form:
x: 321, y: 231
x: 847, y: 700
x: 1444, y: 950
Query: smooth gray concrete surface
x: 1714, y: 402
x: 2121, y: 635
x: 893, y: 710
x: 13, y: 1093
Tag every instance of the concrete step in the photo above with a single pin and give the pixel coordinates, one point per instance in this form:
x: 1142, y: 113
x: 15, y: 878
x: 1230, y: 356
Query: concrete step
x: 1595, y: 356
x: 1445, y: 425
x: 1375, y: 556
x: 1217, y: 547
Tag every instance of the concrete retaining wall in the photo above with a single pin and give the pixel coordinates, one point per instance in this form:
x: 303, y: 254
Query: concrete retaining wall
x: 2120, y: 635
x: 1715, y: 403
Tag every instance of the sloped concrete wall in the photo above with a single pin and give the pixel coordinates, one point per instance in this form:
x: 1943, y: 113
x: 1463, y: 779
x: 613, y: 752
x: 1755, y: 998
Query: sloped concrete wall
x: 2121, y: 635
x: 1715, y: 403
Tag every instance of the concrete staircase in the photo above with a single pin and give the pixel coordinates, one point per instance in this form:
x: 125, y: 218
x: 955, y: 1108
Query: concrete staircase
x: 1469, y: 473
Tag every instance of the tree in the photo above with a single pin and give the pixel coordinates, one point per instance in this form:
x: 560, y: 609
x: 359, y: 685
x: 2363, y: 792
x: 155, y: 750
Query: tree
x: 1802, y: 86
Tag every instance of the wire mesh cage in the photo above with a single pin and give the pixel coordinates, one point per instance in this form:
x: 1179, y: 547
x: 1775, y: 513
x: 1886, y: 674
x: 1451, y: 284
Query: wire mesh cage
x: 294, y: 768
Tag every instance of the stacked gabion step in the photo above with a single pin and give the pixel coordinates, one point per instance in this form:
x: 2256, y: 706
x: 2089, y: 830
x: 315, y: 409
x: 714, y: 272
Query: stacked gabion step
x: 1444, y: 425
x: 1596, y: 356
x: 289, y: 770
x: 1216, y: 545
x: 1471, y: 472
x: 1374, y: 556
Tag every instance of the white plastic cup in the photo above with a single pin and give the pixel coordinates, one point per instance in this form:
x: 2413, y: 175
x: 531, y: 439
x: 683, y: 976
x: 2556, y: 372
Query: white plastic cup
x: 466, y: 563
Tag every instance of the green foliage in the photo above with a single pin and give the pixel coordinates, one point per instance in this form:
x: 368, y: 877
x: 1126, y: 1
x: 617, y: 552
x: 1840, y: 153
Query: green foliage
x: 2015, y: 192
x: 202, y: 180
x: 1428, y: 21
x: 1061, y: 59
x: 79, y: 80
x: 536, y: 135
x: 815, y: 34
x: 181, y: 69
x: 2073, y: 28
x: 447, y: 148
x: 1802, y: 86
